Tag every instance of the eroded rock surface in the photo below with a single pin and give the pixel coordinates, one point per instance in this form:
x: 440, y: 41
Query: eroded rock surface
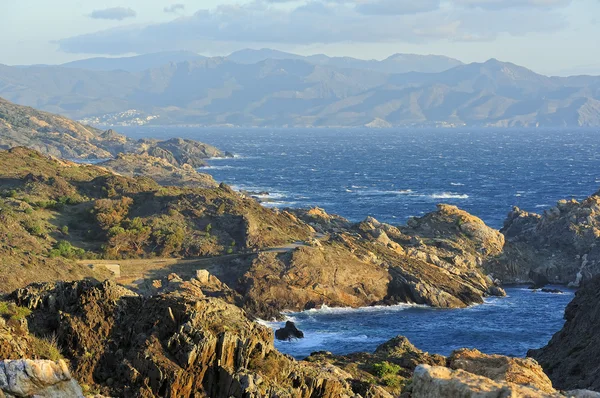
x: 170, y: 345
x: 572, y: 357
x: 559, y: 246
x: 28, y: 378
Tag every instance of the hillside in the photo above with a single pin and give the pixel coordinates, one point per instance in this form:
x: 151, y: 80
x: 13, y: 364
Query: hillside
x: 58, y: 136
x: 303, y: 92
x: 57, y: 212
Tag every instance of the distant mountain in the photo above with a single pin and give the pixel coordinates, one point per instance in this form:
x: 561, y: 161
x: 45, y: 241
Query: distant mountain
x: 136, y: 63
x: 249, y: 56
x: 397, y: 63
x: 299, y: 92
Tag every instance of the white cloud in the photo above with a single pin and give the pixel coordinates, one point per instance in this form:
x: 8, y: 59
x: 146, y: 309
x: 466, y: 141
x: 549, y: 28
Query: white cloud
x: 115, y: 13
x: 173, y: 8
x: 280, y: 22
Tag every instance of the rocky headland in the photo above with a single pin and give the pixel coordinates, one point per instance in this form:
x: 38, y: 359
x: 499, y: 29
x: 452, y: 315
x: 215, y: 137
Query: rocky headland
x: 64, y: 138
x: 560, y: 246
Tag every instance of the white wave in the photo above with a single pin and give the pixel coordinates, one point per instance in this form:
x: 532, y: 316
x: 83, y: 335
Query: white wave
x: 270, y: 195
x: 449, y: 195
x: 376, y: 308
x: 278, y: 204
x: 375, y: 192
x: 220, y: 168
x: 457, y: 184
x: 540, y: 206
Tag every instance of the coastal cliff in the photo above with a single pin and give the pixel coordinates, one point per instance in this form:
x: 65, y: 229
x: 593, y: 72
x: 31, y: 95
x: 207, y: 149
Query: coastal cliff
x: 560, y: 246
x: 571, y: 358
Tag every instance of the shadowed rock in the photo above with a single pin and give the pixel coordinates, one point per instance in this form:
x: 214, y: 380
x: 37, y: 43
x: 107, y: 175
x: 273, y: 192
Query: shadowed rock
x: 290, y: 331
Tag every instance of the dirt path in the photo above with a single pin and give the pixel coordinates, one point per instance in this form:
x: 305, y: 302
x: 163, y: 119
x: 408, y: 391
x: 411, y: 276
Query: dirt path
x: 136, y: 271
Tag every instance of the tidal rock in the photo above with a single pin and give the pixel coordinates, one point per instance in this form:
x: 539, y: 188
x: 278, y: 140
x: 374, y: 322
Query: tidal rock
x: 289, y: 332
x: 27, y: 378
x: 554, y: 291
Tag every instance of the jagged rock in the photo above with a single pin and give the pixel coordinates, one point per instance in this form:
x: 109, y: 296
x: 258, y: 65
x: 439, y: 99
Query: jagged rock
x: 290, y: 331
x: 400, y: 351
x: 554, y: 291
x: 572, y: 357
x: 436, y: 381
x: 560, y: 246
x: 173, y: 344
x: 27, y: 378
x: 501, y: 368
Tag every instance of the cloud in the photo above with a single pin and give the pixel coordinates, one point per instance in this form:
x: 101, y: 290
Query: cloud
x: 505, y: 4
x: 397, y: 7
x: 115, y: 13
x: 174, y: 8
x: 307, y: 22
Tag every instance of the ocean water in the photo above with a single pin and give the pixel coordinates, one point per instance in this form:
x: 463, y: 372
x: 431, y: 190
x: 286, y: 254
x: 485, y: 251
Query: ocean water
x: 509, y: 326
x: 393, y: 175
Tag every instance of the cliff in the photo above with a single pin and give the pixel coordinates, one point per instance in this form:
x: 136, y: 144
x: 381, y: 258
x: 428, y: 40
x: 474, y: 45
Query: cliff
x: 571, y: 358
x: 558, y: 246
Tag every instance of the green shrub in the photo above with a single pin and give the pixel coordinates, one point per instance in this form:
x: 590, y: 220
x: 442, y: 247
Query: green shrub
x: 383, y: 369
x: 47, y: 347
x: 392, y: 381
x: 13, y: 311
x: 64, y: 249
x: 3, y: 308
x: 65, y: 230
x: 34, y: 227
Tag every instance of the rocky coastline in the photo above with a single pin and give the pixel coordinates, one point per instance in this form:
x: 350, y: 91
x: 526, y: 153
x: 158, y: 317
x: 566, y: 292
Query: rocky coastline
x: 142, y: 278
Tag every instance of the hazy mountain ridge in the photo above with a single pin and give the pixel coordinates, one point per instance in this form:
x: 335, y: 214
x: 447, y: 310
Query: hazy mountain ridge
x: 295, y: 91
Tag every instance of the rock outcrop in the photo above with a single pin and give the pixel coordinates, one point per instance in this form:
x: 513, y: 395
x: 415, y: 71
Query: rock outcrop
x: 572, y: 357
x: 169, y: 345
x: 44, y: 379
x: 560, y: 246
x: 160, y: 170
x: 289, y: 332
x: 436, y: 381
x: 469, y: 373
x: 58, y: 136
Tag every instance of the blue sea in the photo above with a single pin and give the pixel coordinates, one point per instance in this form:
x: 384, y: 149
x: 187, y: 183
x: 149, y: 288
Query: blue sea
x: 393, y: 175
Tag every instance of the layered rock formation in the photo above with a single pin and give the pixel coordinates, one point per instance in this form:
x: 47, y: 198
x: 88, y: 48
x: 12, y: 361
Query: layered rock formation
x: 560, y: 246
x: 170, y: 345
x: 571, y: 358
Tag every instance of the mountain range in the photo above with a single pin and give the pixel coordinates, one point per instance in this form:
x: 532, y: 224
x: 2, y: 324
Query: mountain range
x: 277, y: 89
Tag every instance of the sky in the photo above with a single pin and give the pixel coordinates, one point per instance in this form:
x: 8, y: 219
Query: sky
x: 554, y: 37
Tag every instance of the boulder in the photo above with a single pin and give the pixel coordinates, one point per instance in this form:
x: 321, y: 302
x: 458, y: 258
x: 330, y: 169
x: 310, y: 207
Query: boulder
x: 289, y: 332
x: 523, y: 371
x: 28, y: 378
x: 437, y: 381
